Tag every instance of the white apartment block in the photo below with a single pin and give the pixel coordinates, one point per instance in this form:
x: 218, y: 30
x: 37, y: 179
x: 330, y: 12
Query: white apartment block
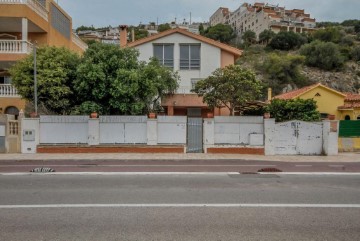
x: 261, y: 16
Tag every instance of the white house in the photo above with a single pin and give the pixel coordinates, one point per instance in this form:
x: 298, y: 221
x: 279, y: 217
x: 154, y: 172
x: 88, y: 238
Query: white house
x: 194, y: 57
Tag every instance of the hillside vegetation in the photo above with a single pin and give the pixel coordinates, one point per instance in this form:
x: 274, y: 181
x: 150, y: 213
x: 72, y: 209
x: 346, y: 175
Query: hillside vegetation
x: 287, y: 60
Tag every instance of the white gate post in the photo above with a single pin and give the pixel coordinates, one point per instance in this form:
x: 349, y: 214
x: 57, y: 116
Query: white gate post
x: 269, y: 132
x: 330, y: 137
x: 152, y: 132
x: 94, y: 131
x: 209, y: 133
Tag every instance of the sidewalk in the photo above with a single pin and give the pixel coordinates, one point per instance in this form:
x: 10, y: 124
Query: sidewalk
x: 342, y: 157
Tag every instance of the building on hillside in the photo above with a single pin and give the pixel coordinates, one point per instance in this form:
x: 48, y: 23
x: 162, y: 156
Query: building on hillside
x: 261, y: 16
x: 344, y: 106
x: 221, y: 15
x: 194, y: 57
x: 107, y: 36
x: 22, y: 23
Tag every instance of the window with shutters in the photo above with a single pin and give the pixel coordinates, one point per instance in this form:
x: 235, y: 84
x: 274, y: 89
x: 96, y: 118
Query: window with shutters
x: 165, y: 54
x: 190, y: 56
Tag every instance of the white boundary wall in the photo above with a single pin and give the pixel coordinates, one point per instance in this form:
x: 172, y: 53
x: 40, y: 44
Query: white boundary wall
x: 289, y: 138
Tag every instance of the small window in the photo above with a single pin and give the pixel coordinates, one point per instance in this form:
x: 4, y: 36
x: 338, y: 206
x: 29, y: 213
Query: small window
x: 5, y: 80
x: 347, y: 117
x: 165, y: 54
x: 358, y: 118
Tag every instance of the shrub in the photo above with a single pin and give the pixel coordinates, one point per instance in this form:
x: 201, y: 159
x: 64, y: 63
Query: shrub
x: 331, y: 34
x: 294, y: 109
x: 325, y: 56
x: 287, y: 41
x: 282, y: 70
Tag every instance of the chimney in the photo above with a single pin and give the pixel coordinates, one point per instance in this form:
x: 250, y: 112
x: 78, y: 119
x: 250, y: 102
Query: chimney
x: 123, y: 35
x: 269, y: 94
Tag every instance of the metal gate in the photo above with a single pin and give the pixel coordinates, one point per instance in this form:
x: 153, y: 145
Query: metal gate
x: 2, y: 138
x: 194, y: 135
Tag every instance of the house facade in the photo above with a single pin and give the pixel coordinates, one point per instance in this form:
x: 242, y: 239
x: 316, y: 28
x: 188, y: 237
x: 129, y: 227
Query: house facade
x: 194, y: 57
x: 345, y: 106
x: 23, y: 23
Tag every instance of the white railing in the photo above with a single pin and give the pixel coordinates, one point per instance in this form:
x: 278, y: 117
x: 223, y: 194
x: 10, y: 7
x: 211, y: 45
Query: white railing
x: 79, y: 42
x: 33, y: 4
x: 7, y: 90
x: 15, y: 47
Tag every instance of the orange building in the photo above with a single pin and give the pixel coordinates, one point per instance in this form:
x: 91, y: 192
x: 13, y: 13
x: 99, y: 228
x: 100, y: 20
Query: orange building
x: 22, y: 23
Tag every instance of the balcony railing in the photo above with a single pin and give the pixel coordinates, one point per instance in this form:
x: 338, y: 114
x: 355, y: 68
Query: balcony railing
x: 79, y: 42
x: 7, y: 90
x: 15, y: 47
x: 33, y: 4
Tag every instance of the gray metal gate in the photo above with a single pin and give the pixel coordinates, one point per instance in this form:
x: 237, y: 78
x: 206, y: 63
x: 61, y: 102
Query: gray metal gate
x: 195, y: 135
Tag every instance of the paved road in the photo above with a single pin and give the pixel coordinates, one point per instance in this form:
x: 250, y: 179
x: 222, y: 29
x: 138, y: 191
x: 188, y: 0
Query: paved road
x: 229, y: 165
x: 180, y: 207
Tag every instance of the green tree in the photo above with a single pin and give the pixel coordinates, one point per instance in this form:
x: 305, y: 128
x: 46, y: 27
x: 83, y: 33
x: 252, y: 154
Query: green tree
x: 350, y: 22
x: 163, y: 27
x: 56, y: 70
x: 230, y: 87
x: 281, y: 70
x: 322, y: 55
x: 139, y: 32
x: 220, y: 32
x: 287, y: 41
x: 294, y: 109
x: 266, y: 35
x: 326, y: 24
x: 113, y: 81
x: 249, y: 37
x: 83, y: 28
x: 201, y: 29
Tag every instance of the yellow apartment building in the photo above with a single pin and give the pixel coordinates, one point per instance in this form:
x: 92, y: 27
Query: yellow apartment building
x: 22, y: 23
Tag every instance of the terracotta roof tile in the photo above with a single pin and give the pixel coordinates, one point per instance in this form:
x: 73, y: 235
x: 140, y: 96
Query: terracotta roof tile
x: 295, y: 93
x: 352, y: 97
x: 350, y: 106
x: 298, y: 92
x: 236, y: 52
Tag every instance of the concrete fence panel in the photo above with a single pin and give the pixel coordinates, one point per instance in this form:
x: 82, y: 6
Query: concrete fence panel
x: 171, y: 129
x: 64, y: 129
x: 123, y: 129
x: 236, y: 130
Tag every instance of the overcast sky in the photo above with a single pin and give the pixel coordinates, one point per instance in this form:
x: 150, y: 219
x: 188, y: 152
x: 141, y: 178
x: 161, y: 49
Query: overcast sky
x: 131, y: 12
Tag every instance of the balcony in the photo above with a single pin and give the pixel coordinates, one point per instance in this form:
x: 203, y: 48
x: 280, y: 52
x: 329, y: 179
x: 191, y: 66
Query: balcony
x: 15, y: 47
x: 33, y: 4
x: 7, y: 90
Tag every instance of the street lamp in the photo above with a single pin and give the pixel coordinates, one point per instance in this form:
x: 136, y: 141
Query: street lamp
x: 35, y: 81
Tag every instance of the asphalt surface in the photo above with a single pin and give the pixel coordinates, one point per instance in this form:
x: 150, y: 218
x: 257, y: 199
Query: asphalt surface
x: 180, y: 207
x: 196, y: 165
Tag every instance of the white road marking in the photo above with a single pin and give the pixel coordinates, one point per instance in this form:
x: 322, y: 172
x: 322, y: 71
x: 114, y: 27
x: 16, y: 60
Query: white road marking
x: 189, y: 205
x: 303, y: 165
x: 90, y: 165
x: 174, y: 173
x: 336, y: 165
